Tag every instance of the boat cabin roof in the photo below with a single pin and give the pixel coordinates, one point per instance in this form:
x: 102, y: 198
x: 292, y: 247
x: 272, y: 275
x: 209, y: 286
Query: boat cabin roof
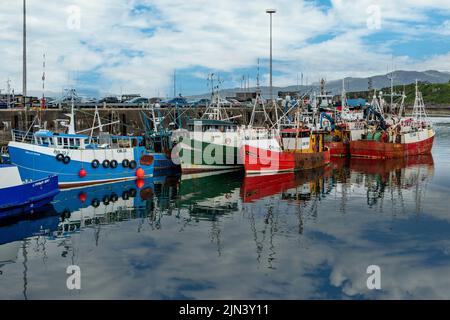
x: 49, y: 134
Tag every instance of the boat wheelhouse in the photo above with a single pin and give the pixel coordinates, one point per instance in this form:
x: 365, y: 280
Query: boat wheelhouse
x: 209, y: 144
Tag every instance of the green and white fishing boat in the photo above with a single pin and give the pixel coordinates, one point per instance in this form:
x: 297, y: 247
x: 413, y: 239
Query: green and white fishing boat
x: 211, y: 142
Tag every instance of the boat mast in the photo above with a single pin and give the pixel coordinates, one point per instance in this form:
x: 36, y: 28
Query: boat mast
x: 419, y: 112
x: 259, y: 102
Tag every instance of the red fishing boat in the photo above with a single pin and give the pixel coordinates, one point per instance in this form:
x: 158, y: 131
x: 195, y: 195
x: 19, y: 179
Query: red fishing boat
x: 403, y: 137
x: 291, y: 149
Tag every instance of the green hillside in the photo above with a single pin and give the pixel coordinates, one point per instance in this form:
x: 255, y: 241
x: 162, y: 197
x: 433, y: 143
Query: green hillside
x: 433, y: 94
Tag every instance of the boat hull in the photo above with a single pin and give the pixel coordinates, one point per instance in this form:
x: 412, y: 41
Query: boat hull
x: 338, y: 149
x: 36, y: 162
x: 262, y: 161
x: 382, y: 150
x: 198, y: 157
x: 27, y: 197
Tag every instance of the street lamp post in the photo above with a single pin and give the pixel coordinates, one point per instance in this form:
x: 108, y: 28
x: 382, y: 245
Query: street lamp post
x: 24, y: 58
x: 270, y: 12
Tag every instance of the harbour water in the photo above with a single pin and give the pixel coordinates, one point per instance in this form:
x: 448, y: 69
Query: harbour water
x: 225, y: 236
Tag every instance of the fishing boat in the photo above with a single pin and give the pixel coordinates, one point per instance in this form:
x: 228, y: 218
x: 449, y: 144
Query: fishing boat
x: 209, y: 143
x: 80, y: 159
x: 21, y: 197
x: 345, y: 125
x: 398, y: 137
x: 291, y: 149
x: 159, y: 142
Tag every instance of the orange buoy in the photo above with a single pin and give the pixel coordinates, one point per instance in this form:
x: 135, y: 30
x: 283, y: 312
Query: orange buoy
x: 140, y: 173
x: 82, y: 196
x: 140, y: 183
x: 82, y: 173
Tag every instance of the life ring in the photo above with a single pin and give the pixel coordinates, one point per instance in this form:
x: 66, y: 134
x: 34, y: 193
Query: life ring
x: 114, y: 164
x: 95, y: 164
x: 106, y: 164
x: 60, y: 157
x: 125, y: 163
x: 66, y: 160
x: 133, y: 164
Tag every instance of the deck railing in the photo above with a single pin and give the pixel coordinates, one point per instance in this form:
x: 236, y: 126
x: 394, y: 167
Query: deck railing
x: 22, y: 136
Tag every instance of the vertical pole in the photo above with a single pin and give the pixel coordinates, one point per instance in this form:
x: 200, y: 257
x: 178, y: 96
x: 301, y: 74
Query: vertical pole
x: 24, y: 60
x: 271, y: 88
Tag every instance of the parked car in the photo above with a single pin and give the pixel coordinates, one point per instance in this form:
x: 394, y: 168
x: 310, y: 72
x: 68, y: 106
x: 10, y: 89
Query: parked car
x: 179, y: 101
x: 88, y: 100
x: 235, y: 103
x: 3, y: 104
x: 55, y: 103
x: 225, y: 102
x: 199, y: 103
x: 137, y: 100
x: 109, y: 100
x: 128, y: 97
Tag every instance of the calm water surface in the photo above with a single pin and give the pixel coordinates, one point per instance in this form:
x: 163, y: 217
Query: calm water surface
x: 224, y: 236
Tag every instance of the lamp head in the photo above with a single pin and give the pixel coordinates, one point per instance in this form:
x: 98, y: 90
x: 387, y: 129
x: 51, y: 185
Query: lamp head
x: 270, y: 11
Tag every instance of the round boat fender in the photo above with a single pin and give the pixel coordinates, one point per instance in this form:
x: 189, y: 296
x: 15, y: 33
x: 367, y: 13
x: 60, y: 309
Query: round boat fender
x: 95, y: 203
x: 125, y: 195
x: 60, y: 157
x: 227, y: 141
x: 114, y: 197
x: 95, y: 164
x: 133, y: 164
x: 125, y: 163
x: 106, y: 164
x: 66, y: 160
x: 105, y: 200
x: 114, y: 164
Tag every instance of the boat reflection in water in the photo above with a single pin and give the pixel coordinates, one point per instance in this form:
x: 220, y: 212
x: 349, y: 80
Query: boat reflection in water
x: 189, y: 236
x: 290, y: 186
x: 20, y: 235
x: 208, y: 195
x: 114, y: 202
x: 391, y: 176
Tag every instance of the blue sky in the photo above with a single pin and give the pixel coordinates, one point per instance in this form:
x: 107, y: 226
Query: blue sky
x: 114, y: 46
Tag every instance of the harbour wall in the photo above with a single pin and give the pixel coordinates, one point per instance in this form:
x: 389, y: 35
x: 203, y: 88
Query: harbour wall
x: 129, y: 120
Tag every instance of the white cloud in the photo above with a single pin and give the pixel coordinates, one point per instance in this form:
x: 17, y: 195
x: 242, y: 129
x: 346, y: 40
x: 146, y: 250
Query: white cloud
x: 220, y: 35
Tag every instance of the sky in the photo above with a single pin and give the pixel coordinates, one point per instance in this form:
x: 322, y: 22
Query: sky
x: 134, y: 46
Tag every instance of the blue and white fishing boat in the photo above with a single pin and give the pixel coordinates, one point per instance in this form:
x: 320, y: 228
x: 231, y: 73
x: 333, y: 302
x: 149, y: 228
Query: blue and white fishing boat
x: 22, y: 197
x: 79, y: 159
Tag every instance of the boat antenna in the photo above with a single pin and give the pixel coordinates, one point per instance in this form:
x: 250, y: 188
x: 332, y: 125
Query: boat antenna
x: 43, y: 82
